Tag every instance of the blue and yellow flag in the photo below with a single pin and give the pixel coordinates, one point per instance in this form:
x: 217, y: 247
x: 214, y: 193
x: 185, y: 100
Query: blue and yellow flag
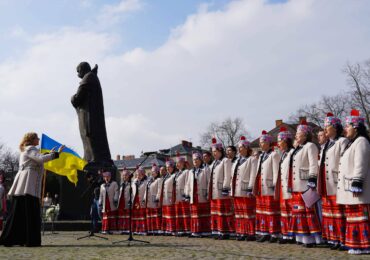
x: 67, y: 164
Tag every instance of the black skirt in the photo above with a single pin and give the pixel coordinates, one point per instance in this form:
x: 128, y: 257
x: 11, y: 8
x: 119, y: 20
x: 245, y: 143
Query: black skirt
x: 23, y: 225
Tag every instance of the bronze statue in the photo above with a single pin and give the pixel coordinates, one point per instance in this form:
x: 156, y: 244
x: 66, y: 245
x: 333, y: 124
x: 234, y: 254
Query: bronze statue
x: 88, y: 102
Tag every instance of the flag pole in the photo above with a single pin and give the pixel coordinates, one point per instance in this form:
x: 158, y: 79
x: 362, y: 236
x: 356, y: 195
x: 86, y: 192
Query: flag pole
x: 43, y: 188
x: 43, y: 183
x: 42, y: 202
x: 42, y: 199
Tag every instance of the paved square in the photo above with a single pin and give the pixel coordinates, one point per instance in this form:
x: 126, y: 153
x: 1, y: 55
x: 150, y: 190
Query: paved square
x: 64, y: 245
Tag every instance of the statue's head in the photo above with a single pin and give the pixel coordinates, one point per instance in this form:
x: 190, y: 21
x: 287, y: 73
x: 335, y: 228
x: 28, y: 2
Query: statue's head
x: 82, y: 69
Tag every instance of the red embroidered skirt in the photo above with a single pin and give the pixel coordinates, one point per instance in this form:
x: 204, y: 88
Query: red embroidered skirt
x: 123, y: 217
x: 109, y: 221
x: 154, y: 220
x: 138, y: 218
x: 123, y: 220
x: 285, y: 214
x: 169, y: 219
x: 222, y: 216
x: 333, y: 220
x: 245, y: 215
x: 304, y: 220
x: 267, y: 213
x: 200, y: 218
x: 182, y: 217
x: 357, y: 226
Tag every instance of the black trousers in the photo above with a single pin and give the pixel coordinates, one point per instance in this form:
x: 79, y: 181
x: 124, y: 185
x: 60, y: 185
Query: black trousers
x: 23, y: 225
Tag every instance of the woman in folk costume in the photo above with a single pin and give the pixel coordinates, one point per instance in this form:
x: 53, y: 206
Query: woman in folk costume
x: 267, y: 208
x: 124, y: 203
x: 163, y: 175
x: 107, y: 202
x: 207, y: 158
x: 139, y: 185
x: 222, y: 208
x: 333, y: 218
x: 182, y: 207
x: 231, y: 153
x: 196, y: 192
x: 305, y: 224
x: 244, y: 171
x: 2, y: 201
x: 167, y: 199
x: 153, y: 209
x: 23, y: 225
x: 162, y: 172
x: 285, y: 143
x: 354, y: 185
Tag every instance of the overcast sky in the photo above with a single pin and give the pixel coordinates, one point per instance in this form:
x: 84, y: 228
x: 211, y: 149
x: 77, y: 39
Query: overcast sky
x: 169, y: 68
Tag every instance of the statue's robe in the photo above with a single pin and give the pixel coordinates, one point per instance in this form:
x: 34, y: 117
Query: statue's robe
x: 88, y: 102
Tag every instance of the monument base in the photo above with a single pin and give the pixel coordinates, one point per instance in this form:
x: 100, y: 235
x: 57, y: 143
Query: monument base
x: 75, y: 201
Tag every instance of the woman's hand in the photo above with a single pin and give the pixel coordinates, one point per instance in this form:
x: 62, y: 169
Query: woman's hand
x: 357, y: 188
x: 61, y: 148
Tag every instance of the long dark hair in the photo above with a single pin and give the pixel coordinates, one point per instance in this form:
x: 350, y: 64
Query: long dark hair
x: 309, y: 137
x: 289, y: 143
x: 221, y: 149
x: 232, y: 147
x: 339, y: 129
x: 361, y: 131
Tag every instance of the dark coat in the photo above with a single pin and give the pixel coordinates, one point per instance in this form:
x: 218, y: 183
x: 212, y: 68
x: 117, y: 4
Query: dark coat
x: 88, y: 102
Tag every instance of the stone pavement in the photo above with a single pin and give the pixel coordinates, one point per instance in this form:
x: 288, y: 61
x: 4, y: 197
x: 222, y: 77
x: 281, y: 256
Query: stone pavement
x: 64, y: 245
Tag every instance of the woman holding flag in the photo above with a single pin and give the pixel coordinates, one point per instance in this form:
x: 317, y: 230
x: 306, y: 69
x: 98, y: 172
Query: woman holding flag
x: 23, y: 226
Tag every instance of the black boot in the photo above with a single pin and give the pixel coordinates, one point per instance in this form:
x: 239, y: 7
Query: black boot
x: 263, y: 238
x: 240, y: 238
x: 273, y: 240
x: 283, y: 241
x: 251, y: 238
x: 325, y: 244
x: 335, y: 247
x: 224, y: 237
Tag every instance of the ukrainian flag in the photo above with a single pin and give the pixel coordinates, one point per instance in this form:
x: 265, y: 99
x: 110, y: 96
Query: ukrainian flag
x: 67, y: 164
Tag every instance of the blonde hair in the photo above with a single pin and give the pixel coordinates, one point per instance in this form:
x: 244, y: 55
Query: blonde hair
x: 27, y: 140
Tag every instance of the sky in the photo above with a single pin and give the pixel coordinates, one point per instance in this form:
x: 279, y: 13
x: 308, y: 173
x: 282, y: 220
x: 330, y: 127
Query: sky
x: 170, y: 68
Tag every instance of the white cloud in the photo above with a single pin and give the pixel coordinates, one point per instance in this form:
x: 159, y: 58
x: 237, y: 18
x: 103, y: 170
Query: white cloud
x: 111, y: 14
x: 252, y: 60
x: 137, y: 133
x: 123, y: 6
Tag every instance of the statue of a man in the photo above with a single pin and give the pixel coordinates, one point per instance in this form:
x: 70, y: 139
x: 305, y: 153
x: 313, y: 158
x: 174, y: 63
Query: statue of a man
x: 88, y: 102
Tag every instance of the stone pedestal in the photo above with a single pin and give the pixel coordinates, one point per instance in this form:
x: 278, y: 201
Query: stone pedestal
x: 75, y: 201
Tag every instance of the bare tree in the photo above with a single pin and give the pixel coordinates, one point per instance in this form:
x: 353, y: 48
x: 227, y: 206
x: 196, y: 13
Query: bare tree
x: 358, y: 78
x: 227, y: 132
x: 339, y: 105
x: 9, y: 161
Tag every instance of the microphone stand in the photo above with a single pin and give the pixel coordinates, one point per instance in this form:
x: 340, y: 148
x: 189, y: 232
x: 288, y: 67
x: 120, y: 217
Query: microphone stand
x: 94, y: 170
x: 130, y: 208
x: 92, y: 231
